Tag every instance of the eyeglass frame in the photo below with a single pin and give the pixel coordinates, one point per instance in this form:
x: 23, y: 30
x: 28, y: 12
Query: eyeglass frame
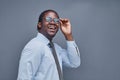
x: 49, y: 19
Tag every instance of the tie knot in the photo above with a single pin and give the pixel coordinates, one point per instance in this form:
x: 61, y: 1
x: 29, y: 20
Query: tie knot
x: 50, y: 44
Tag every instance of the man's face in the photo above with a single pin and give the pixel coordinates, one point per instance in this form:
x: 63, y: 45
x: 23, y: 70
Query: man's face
x: 49, y: 25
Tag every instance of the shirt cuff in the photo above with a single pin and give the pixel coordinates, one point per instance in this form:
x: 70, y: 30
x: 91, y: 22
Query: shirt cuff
x: 71, y: 43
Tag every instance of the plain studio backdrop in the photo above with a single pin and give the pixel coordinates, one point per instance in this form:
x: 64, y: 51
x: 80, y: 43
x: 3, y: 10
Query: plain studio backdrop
x: 96, y: 29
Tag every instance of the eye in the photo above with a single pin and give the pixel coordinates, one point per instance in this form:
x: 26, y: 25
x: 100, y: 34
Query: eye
x: 48, y: 19
x: 56, y: 20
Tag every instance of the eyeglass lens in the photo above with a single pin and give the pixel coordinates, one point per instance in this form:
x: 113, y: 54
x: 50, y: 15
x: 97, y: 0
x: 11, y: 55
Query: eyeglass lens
x: 49, y: 19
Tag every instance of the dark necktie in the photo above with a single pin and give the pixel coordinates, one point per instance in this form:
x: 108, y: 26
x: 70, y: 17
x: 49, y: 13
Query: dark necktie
x: 56, y: 61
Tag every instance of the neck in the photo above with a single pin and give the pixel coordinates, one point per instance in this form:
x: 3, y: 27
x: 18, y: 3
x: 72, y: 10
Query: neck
x: 47, y: 36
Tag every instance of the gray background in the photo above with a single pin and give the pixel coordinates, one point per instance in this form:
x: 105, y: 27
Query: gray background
x: 96, y: 29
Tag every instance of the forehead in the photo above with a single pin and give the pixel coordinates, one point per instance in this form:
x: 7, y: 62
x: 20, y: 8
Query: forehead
x: 51, y: 14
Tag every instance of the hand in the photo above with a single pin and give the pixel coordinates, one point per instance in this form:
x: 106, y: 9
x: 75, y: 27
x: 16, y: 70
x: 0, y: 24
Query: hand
x: 65, y: 27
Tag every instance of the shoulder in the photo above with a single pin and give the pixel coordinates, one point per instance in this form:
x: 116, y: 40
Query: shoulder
x: 34, y: 45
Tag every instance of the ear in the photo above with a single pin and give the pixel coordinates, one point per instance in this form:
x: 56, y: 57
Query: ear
x: 39, y: 25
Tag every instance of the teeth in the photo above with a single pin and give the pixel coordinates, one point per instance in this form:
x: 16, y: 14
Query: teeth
x: 51, y: 27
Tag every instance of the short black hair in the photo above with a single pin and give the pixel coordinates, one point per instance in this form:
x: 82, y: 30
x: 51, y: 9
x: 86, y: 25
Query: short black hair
x: 43, y: 14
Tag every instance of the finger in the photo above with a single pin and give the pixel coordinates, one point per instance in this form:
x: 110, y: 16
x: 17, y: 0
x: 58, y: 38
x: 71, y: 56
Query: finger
x: 60, y: 23
x: 64, y: 19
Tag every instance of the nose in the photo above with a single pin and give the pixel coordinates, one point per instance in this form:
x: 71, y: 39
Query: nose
x: 52, y: 22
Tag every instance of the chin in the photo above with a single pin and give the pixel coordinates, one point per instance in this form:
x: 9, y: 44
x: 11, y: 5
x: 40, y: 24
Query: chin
x: 52, y: 35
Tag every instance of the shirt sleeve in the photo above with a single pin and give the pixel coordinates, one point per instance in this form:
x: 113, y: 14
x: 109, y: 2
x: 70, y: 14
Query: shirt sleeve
x: 71, y: 56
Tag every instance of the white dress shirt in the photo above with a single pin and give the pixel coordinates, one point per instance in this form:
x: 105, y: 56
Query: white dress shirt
x: 37, y: 61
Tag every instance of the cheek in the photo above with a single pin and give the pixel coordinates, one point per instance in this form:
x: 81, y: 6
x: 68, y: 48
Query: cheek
x: 57, y: 25
x: 44, y: 26
x: 57, y: 29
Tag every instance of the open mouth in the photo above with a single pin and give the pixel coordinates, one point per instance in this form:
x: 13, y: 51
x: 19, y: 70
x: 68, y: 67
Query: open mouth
x: 52, y: 28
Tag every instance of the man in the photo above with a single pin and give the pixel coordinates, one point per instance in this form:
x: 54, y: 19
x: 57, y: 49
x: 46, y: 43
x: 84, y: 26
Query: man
x: 37, y: 60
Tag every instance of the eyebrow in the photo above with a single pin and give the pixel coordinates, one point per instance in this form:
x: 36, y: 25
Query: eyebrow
x: 51, y: 17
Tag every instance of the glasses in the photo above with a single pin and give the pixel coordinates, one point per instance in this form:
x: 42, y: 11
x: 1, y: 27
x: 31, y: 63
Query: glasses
x: 49, y: 19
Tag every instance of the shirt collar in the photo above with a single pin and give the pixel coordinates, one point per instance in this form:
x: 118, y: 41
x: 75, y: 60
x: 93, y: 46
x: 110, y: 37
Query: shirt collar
x: 43, y: 39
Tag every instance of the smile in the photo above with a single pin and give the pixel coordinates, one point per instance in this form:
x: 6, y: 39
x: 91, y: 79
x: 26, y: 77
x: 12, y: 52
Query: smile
x: 52, y: 27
